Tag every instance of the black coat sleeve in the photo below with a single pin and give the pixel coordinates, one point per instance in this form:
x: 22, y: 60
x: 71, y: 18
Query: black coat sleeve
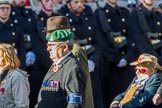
x: 21, y: 48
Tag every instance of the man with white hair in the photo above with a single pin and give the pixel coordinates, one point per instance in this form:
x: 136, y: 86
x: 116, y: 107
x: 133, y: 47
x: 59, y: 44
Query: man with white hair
x: 143, y: 87
x: 64, y: 83
x: 40, y: 48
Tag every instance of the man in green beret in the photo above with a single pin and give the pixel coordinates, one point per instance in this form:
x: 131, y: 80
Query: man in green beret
x: 64, y: 83
x: 62, y: 23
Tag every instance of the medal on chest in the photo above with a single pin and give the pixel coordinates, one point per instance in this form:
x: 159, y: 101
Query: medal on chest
x: 51, y: 85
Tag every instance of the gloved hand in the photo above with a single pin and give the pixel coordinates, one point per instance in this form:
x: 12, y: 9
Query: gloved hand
x: 122, y: 63
x: 115, y: 104
x: 30, y: 58
x: 91, y: 65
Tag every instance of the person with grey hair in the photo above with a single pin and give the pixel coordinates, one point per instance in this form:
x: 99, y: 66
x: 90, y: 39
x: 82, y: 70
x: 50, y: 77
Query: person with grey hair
x: 143, y: 87
x: 62, y: 23
x: 39, y: 45
x: 64, y: 83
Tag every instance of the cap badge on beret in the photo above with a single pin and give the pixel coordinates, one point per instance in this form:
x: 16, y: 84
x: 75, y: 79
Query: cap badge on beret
x: 60, y: 36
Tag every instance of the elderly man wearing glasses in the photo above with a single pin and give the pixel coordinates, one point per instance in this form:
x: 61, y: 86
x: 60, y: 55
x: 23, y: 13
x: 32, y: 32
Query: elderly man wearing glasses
x: 142, y: 89
x: 64, y: 83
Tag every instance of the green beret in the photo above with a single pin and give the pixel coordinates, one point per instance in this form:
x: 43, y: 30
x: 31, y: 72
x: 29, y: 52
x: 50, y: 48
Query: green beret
x: 60, y: 35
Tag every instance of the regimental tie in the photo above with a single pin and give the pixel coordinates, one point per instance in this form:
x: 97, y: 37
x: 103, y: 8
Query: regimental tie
x: 131, y: 91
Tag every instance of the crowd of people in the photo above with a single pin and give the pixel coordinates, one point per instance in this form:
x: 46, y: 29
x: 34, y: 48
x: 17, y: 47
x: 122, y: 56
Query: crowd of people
x: 78, y: 57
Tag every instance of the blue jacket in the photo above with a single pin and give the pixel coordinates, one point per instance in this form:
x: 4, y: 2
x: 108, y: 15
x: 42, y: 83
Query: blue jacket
x: 143, y: 97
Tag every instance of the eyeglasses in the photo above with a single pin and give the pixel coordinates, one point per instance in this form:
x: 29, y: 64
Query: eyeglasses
x: 141, y: 69
x: 4, y: 8
x: 55, y: 45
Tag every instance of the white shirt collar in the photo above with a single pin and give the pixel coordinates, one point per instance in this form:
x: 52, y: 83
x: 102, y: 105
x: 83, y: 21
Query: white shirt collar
x: 62, y: 58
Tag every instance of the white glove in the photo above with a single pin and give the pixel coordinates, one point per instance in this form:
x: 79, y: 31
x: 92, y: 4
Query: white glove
x: 122, y: 63
x: 91, y: 65
x: 30, y: 58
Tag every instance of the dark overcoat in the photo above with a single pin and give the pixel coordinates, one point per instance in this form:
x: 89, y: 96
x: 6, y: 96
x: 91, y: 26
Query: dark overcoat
x: 70, y: 78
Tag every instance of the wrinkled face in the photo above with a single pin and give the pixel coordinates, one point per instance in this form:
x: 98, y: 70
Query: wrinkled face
x: 148, y: 2
x: 5, y: 11
x: 55, y: 50
x: 47, y: 4
x: 76, y: 6
x: 142, y: 72
x: 19, y: 3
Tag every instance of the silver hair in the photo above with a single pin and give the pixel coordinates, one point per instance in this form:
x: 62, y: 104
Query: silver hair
x: 70, y: 43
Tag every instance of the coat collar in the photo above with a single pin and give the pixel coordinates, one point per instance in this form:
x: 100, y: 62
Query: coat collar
x: 43, y: 16
x: 17, y: 10
x: 111, y: 9
x: 22, y: 11
x: 60, y: 65
x: 6, y: 25
x: 78, y: 19
x: 146, y: 11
